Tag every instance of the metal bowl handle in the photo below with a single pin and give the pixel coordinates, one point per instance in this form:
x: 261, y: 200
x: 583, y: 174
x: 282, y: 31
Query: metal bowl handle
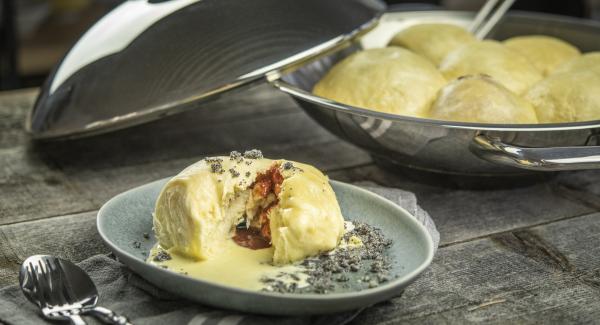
x: 539, y: 159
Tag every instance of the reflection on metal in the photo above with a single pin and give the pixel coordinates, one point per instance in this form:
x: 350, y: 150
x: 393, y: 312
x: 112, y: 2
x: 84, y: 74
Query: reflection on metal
x: 146, y: 60
x: 449, y: 147
x: 113, y: 33
x: 541, y: 159
x: 374, y: 127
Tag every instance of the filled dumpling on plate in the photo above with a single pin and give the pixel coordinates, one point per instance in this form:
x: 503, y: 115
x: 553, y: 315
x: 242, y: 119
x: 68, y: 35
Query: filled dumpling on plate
x: 252, y: 200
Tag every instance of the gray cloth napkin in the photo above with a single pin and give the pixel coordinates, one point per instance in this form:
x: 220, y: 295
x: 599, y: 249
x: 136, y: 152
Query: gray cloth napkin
x: 126, y: 293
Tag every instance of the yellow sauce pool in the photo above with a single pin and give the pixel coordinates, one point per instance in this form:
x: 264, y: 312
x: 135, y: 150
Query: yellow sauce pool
x: 236, y: 266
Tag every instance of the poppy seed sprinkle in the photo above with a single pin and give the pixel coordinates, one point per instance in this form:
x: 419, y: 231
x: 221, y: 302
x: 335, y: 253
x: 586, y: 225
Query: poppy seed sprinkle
x: 348, y: 267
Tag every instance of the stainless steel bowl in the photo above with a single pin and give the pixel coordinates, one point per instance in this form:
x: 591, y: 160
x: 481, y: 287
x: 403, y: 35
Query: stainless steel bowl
x: 453, y: 147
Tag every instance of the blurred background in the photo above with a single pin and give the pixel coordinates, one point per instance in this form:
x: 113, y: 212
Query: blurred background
x: 35, y: 34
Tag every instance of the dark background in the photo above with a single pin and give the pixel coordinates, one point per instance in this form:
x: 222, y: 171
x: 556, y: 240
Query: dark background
x: 35, y: 34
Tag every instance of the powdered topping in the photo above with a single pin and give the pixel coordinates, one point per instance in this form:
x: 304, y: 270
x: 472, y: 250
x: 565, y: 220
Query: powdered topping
x: 360, y: 261
x: 287, y: 165
x: 236, y: 156
x: 253, y: 154
x: 217, y: 168
x: 162, y: 256
x: 212, y: 160
x: 234, y: 173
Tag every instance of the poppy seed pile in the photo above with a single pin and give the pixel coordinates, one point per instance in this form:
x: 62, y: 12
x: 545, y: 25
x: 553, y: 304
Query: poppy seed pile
x: 348, y: 267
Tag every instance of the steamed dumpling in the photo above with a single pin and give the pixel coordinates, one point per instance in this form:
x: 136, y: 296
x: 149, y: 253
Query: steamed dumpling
x: 510, y: 68
x: 567, y: 97
x: 545, y: 53
x: 289, y: 203
x: 481, y: 99
x: 588, y: 61
x: 391, y: 80
x: 433, y: 41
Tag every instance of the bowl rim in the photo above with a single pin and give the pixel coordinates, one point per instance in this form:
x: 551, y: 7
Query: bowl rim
x: 299, y: 93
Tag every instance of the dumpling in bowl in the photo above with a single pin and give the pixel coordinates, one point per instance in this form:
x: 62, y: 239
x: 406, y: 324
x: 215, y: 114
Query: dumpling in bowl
x: 545, y: 53
x: 391, y: 80
x: 481, y: 99
x: 567, y: 97
x: 510, y: 68
x: 587, y: 61
x: 433, y: 41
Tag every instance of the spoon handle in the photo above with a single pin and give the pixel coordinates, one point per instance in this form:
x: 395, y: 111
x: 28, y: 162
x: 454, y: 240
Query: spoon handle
x: 76, y: 320
x: 108, y: 316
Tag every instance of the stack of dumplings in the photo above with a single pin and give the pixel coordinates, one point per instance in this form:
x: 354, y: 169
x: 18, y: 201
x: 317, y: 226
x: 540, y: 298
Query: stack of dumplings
x: 440, y: 71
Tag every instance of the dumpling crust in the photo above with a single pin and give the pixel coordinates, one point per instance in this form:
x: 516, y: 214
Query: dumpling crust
x: 545, y: 53
x: 567, y: 97
x: 510, y: 68
x: 587, y: 61
x: 433, y: 41
x: 480, y: 99
x: 391, y: 80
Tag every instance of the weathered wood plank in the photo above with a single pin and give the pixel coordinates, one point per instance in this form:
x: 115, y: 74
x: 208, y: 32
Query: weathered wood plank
x: 73, y: 237
x: 33, y: 189
x: 464, y: 214
x: 582, y: 186
x: 13, y: 109
x: 548, y: 274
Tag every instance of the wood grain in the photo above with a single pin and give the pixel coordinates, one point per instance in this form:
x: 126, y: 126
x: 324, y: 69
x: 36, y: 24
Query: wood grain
x: 73, y: 237
x: 32, y: 189
x: 13, y: 109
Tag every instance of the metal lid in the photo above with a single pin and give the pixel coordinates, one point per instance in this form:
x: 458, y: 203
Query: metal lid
x: 147, y: 59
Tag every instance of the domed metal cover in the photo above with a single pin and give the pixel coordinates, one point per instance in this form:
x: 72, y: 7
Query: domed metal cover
x: 147, y: 59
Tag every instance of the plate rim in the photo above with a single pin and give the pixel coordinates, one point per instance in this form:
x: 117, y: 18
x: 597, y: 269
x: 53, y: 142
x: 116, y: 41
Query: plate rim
x: 365, y: 293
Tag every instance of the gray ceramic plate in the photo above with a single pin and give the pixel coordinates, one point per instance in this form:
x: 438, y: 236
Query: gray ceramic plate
x: 123, y: 220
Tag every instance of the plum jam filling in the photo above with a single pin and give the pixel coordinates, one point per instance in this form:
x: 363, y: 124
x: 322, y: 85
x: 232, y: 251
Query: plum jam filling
x: 250, y: 238
x: 255, y: 233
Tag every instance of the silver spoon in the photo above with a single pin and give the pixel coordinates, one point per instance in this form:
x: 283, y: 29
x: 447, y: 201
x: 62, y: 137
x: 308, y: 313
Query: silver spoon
x: 488, y: 16
x: 62, y: 290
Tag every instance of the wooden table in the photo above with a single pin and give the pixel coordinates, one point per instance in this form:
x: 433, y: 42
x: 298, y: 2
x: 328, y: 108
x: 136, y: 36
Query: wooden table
x: 526, y: 255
